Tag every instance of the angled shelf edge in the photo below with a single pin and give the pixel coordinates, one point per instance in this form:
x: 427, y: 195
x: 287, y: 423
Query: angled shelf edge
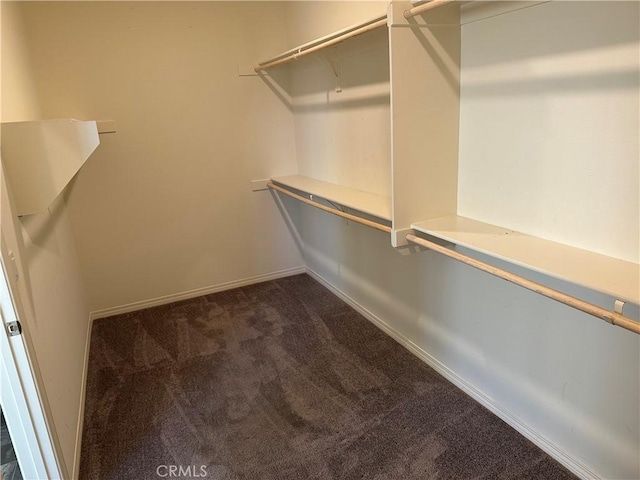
x: 41, y: 157
x: 365, y: 202
x: 609, y: 275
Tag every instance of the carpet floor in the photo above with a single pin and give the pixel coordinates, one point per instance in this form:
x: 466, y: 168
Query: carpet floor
x: 281, y: 380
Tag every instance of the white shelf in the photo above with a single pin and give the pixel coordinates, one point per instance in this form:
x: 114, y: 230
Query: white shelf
x: 605, y: 274
x: 41, y: 158
x: 365, y: 202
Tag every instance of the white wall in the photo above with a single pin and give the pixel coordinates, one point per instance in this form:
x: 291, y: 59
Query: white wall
x: 20, y: 101
x: 329, y: 129
x: 329, y: 126
x: 165, y: 205
x: 307, y: 21
x: 549, y: 133
x: 54, y: 309
x: 570, y: 379
x: 567, y: 380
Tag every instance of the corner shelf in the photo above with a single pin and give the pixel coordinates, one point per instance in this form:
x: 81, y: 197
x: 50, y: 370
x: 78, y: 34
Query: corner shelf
x: 365, y: 202
x: 41, y: 158
x: 602, y: 273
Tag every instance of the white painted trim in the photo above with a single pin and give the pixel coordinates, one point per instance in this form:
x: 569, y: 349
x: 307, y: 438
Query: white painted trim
x: 567, y: 460
x: 399, y: 237
x: 19, y: 395
x: 83, y: 395
x: 198, y: 292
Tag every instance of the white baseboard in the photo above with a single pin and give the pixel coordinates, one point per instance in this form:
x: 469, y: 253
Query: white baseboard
x: 83, y: 395
x: 571, y: 463
x: 198, y: 292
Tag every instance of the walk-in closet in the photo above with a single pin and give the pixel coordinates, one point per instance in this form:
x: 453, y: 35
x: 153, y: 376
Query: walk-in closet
x: 321, y: 239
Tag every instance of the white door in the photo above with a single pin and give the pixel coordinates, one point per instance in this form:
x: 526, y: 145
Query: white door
x: 19, y: 396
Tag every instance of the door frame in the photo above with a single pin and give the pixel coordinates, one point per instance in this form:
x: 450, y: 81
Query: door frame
x: 19, y: 394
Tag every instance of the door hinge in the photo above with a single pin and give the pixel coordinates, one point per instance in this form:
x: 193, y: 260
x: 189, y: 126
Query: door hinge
x: 14, y: 328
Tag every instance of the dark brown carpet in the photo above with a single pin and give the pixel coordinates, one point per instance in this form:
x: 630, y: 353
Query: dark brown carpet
x: 281, y: 380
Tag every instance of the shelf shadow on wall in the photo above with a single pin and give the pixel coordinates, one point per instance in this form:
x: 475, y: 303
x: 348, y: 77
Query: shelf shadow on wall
x: 284, y: 204
x: 347, y: 74
x: 275, y: 82
x: 333, y: 104
x: 542, y: 31
x: 355, y: 103
x: 39, y: 239
x: 444, y: 65
x: 624, y: 79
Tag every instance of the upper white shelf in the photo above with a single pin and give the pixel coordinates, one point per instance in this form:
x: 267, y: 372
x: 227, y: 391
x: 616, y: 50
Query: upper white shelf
x: 365, y: 202
x: 605, y: 274
x: 41, y: 158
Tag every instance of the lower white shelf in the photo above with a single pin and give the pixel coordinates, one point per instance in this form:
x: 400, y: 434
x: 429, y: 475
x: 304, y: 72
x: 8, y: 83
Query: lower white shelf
x: 365, y: 202
x: 615, y: 277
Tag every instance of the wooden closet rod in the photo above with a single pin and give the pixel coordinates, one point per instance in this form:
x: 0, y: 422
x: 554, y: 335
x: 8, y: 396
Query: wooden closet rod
x: 602, y: 313
x: 348, y: 216
x: 302, y: 51
x: 412, y: 12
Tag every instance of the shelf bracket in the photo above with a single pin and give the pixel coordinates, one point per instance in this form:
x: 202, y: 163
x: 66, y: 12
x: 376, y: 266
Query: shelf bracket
x: 106, y: 126
x: 336, y: 67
